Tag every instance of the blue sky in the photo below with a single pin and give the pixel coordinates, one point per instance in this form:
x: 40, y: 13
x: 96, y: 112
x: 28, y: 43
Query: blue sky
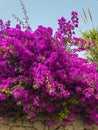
x: 46, y: 12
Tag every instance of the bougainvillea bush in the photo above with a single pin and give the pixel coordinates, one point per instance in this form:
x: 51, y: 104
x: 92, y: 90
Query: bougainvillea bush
x: 42, y: 77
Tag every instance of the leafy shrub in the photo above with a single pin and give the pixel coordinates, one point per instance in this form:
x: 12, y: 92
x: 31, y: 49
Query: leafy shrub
x: 41, y: 76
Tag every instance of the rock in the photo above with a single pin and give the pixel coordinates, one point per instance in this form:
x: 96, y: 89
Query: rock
x: 29, y: 128
x: 78, y: 125
x: 55, y: 126
x: 4, y: 127
x: 61, y: 128
x: 69, y: 127
x: 17, y: 128
x: 38, y: 125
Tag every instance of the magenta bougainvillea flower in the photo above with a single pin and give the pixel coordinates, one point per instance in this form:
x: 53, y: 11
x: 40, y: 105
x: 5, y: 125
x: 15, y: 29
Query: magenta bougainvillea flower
x: 41, y: 76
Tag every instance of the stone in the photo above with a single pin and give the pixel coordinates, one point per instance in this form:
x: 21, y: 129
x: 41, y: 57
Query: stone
x: 89, y: 128
x: 16, y: 123
x: 78, y: 125
x: 61, y: 128
x: 17, y: 128
x: 95, y: 127
x: 38, y: 125
x: 4, y: 127
x: 69, y: 127
x: 55, y: 126
x: 29, y: 128
x: 6, y: 122
x: 27, y: 124
x: 46, y: 128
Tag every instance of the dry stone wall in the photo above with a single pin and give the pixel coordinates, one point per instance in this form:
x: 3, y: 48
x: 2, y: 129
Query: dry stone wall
x: 38, y: 125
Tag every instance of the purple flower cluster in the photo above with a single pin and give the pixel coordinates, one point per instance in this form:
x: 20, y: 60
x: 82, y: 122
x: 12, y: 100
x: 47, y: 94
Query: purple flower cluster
x: 39, y: 77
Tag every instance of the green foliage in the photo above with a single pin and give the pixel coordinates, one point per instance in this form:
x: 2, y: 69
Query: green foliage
x: 64, y: 114
x: 91, y: 36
